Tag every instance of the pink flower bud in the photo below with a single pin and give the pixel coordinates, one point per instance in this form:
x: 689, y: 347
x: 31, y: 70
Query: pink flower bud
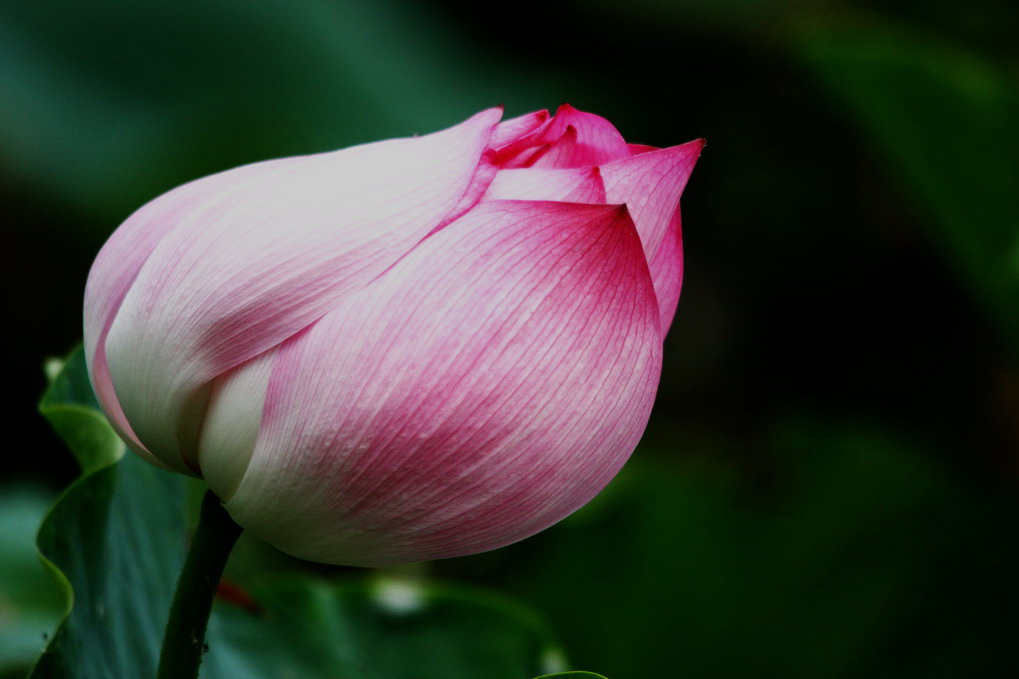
x: 406, y: 350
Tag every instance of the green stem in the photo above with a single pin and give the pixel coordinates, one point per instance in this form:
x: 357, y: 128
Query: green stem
x: 184, y: 640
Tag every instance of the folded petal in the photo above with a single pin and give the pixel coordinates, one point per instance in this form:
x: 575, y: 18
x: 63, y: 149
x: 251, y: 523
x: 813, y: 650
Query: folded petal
x: 509, y: 131
x: 637, y: 149
x: 232, y: 420
x: 575, y: 185
x: 490, y: 383
x: 246, y: 268
x: 598, y: 141
x: 556, y: 154
x: 523, y: 158
x: 667, y: 271
x: 650, y: 184
x: 521, y: 151
x: 571, y: 138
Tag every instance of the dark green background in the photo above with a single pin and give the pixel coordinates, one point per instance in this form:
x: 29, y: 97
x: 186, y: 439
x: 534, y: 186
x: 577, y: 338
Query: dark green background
x: 828, y: 483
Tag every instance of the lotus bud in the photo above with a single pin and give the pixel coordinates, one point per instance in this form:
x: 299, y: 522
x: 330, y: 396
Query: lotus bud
x: 405, y: 350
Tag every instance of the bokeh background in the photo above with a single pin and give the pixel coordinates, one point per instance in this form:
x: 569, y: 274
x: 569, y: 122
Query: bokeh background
x: 828, y: 485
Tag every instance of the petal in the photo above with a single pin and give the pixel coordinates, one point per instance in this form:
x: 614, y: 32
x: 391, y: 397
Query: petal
x: 247, y: 268
x: 593, y: 141
x: 650, y: 184
x: 489, y: 384
x: 232, y: 420
x: 556, y: 154
x: 525, y: 158
x: 484, y: 174
x: 577, y: 185
x: 513, y: 129
x: 637, y: 149
x: 667, y: 271
x: 521, y: 150
x: 598, y: 141
x: 531, y: 149
x: 117, y: 265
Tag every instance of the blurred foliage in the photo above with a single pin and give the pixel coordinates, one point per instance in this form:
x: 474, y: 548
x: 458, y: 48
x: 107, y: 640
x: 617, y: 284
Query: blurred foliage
x: 946, y: 121
x: 863, y: 557
x: 178, y: 89
x: 828, y: 483
x: 383, y: 630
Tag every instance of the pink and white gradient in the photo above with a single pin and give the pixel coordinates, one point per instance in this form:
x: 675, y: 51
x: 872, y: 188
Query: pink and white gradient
x: 412, y: 349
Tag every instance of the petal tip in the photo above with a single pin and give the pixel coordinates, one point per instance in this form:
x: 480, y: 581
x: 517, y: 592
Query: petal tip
x: 620, y: 211
x: 489, y: 116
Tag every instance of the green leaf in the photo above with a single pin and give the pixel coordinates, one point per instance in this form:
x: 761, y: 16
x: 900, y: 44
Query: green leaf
x: 116, y: 540
x: 944, y: 122
x: 571, y: 675
x: 30, y: 605
x: 71, y: 409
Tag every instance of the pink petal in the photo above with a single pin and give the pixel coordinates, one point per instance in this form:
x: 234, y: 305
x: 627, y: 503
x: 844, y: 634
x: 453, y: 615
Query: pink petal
x: 598, y: 141
x: 489, y: 384
x: 248, y: 267
x: 520, y: 151
x: 667, y: 271
x: 528, y: 150
x: 557, y: 154
x: 122, y: 257
x: 523, y: 158
x: 593, y: 141
x: 513, y: 129
x: 577, y: 185
x: 484, y: 174
x: 650, y: 185
x: 637, y: 149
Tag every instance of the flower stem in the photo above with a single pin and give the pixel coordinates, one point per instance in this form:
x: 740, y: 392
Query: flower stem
x: 184, y: 640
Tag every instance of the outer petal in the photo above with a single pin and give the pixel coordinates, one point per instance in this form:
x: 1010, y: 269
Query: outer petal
x: 667, y: 271
x: 577, y: 185
x: 489, y: 384
x: 122, y: 257
x: 246, y: 269
x: 650, y: 184
x: 484, y: 174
